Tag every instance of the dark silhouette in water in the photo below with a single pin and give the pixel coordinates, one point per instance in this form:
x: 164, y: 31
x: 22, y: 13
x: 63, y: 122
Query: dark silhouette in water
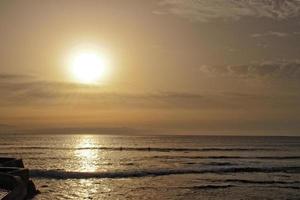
x: 15, y: 179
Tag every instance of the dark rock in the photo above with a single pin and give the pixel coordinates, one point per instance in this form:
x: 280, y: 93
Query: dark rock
x: 15, y: 178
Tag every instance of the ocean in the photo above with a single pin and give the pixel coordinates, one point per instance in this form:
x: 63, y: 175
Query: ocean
x: 159, y: 167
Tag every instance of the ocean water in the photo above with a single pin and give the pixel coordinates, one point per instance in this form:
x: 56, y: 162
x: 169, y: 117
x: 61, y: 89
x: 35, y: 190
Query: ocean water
x: 159, y: 167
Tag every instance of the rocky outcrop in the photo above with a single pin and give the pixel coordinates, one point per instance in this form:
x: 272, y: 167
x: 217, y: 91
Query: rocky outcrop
x: 14, y: 178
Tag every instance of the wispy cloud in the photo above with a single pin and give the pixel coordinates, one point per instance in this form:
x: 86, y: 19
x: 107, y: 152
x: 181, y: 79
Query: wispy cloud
x: 275, y: 70
x: 270, y: 33
x: 4, y: 77
x: 206, y: 10
x: 15, y: 91
x: 44, y: 101
x: 42, y: 94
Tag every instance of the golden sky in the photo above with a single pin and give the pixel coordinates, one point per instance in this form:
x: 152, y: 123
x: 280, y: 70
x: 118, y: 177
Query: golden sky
x: 182, y: 67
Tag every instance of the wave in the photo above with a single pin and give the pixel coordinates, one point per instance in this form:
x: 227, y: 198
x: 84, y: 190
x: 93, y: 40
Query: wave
x: 230, y: 157
x: 204, y: 187
x: 290, y: 187
x: 252, y: 181
x: 10, y: 153
x: 219, y: 163
x: 158, y: 149
x: 61, y: 174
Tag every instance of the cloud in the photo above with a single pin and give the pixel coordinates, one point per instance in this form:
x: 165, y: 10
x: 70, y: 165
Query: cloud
x: 16, y: 91
x: 58, y: 104
x: 270, y: 33
x: 206, y: 10
x: 275, y: 70
x: 4, y: 77
x: 44, y: 94
x: 5, y: 126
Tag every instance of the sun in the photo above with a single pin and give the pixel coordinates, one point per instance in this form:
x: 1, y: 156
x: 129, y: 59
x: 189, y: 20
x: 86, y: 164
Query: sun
x: 88, y: 67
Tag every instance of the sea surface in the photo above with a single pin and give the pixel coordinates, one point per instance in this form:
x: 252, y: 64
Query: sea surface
x: 159, y: 167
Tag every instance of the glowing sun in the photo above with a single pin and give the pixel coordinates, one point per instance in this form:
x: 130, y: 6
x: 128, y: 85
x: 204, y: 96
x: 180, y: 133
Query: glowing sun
x: 88, y: 67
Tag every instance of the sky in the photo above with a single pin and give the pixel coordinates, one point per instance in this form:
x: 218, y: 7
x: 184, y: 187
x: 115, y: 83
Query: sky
x: 228, y: 67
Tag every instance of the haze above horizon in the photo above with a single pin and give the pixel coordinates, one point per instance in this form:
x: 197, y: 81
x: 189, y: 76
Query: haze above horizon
x: 148, y: 67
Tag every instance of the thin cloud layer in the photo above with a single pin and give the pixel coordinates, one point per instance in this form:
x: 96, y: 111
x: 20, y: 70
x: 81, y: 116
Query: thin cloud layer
x: 46, y: 101
x: 204, y: 10
x: 270, y: 33
x: 15, y: 92
x: 275, y: 70
x: 5, y: 77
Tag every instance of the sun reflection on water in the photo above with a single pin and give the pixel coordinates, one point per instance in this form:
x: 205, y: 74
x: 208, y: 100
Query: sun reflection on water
x: 87, y: 155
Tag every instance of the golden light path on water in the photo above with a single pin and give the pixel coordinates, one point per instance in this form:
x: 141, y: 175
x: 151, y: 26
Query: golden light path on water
x: 86, y: 155
x: 88, y: 161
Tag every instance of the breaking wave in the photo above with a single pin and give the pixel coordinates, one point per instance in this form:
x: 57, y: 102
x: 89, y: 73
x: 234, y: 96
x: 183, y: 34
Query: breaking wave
x: 205, y: 187
x: 230, y: 157
x: 263, y: 182
x: 61, y: 174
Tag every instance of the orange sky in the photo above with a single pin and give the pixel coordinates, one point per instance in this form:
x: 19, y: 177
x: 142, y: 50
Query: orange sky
x: 184, y: 67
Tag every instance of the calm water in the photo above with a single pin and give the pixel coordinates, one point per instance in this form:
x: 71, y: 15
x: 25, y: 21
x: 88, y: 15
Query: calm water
x: 159, y: 167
